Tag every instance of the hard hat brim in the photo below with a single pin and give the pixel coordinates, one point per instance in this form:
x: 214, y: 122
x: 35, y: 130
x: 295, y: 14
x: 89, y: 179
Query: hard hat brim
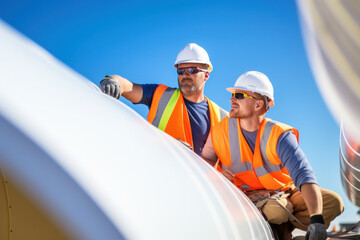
x: 234, y: 89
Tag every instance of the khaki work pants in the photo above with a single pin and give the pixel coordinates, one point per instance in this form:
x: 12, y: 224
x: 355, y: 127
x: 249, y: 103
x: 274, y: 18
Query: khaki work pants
x: 332, y: 207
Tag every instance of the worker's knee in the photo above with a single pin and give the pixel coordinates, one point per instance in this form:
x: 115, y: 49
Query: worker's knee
x: 333, y: 205
x: 275, y: 213
x: 332, y: 200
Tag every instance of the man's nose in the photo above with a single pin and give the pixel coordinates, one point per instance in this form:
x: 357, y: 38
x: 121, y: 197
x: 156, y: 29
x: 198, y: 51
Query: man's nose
x: 186, y: 72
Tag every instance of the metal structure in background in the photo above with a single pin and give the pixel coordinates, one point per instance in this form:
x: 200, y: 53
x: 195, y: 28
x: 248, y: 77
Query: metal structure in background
x: 331, y: 31
x: 350, y: 165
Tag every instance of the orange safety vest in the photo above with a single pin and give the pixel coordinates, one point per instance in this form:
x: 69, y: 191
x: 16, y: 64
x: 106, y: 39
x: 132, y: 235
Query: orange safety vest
x: 259, y: 170
x: 168, y: 113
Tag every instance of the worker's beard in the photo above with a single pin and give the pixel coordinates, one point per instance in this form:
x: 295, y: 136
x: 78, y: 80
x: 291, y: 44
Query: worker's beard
x: 237, y: 111
x: 233, y: 114
x: 187, y: 90
x: 187, y: 87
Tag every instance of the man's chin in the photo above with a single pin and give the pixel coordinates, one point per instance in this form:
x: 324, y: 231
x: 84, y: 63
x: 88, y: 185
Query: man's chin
x: 233, y: 114
x: 187, y: 90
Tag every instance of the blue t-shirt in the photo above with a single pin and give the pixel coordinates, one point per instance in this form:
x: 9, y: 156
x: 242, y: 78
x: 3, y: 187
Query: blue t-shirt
x: 198, y: 116
x: 291, y: 156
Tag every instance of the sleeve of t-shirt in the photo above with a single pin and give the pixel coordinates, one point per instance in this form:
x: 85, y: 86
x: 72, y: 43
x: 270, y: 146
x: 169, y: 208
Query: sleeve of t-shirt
x: 294, y: 159
x: 148, y: 93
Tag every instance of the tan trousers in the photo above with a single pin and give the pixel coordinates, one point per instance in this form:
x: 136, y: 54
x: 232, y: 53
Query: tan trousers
x: 332, y: 207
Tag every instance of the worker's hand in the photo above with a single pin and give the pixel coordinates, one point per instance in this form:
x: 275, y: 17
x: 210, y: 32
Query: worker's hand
x: 316, y: 231
x: 228, y: 174
x: 111, y: 87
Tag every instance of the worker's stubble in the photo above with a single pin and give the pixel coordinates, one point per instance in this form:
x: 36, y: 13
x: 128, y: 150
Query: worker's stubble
x: 188, y: 86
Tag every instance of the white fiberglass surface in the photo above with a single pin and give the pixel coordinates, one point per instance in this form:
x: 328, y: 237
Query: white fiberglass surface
x: 146, y: 183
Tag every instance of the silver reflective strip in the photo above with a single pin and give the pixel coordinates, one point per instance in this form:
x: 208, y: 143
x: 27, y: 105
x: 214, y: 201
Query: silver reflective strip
x: 267, y: 166
x: 236, y: 165
x: 223, y: 113
x: 261, y: 171
x: 164, y: 100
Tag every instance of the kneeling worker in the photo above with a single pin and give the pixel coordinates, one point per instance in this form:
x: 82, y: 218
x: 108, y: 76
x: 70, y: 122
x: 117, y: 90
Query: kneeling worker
x: 263, y: 158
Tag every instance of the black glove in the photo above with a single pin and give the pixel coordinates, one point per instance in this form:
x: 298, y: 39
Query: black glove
x: 316, y: 230
x: 111, y: 87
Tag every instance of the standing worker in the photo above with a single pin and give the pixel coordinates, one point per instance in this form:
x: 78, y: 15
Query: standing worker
x: 262, y: 157
x: 184, y: 113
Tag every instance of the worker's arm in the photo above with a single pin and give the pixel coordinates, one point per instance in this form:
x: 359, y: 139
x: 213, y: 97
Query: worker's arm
x: 312, y: 197
x: 208, y: 153
x: 295, y: 161
x: 117, y: 86
x: 313, y: 200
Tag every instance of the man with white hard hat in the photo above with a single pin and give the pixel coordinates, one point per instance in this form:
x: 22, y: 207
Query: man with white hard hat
x: 263, y: 158
x: 184, y: 113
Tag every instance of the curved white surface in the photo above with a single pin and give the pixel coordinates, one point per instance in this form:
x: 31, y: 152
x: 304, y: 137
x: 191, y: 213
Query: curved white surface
x: 331, y: 31
x: 98, y: 167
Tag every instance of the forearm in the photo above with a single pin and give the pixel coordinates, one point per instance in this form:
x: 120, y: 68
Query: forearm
x: 312, y: 196
x: 129, y: 90
x: 212, y: 162
x: 208, y: 153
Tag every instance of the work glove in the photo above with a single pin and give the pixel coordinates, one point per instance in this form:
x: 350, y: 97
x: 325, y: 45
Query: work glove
x: 316, y: 231
x: 111, y: 87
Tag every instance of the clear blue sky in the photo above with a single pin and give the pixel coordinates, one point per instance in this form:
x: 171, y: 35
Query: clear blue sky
x: 139, y: 40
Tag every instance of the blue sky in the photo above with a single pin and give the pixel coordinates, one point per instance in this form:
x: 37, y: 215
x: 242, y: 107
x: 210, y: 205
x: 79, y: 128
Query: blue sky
x: 139, y: 40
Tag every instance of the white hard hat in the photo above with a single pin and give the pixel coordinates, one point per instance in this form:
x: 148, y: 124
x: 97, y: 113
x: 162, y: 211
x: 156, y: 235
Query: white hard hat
x: 255, y: 82
x: 193, y: 53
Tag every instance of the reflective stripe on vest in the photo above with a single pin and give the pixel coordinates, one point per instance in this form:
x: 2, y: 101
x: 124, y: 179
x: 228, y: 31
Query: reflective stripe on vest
x: 166, y: 105
x: 220, y: 113
x: 223, y: 113
x: 267, y: 167
x: 270, y: 172
x: 168, y: 112
x: 237, y: 165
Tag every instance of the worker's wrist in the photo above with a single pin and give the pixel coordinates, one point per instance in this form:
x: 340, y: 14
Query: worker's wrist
x: 107, y: 77
x: 317, y: 218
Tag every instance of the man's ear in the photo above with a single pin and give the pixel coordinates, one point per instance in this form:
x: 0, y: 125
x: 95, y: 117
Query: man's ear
x: 207, y: 75
x: 259, y: 105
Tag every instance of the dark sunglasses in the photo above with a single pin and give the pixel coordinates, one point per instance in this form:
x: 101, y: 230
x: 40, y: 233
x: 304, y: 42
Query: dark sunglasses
x: 190, y: 70
x: 241, y: 95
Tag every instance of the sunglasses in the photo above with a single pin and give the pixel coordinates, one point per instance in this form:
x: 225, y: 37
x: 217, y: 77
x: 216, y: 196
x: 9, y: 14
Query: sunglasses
x: 190, y: 70
x: 240, y: 95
